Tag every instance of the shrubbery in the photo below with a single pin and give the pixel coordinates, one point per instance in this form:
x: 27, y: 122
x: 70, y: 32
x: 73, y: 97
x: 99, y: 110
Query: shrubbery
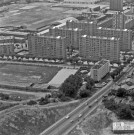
x: 71, y: 86
x: 4, y: 96
x: 31, y: 102
x: 122, y: 110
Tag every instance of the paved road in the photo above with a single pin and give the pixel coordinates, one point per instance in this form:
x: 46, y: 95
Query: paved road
x: 60, y: 127
x: 64, y: 126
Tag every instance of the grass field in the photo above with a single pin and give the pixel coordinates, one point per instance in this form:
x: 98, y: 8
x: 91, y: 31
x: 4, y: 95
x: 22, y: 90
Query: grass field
x: 25, y: 75
x: 32, y: 15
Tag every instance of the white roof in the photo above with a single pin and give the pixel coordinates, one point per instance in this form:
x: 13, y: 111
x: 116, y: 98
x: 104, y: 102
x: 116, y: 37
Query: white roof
x: 121, y: 126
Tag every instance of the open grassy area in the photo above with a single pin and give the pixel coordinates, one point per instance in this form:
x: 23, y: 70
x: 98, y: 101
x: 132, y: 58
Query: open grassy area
x: 32, y: 15
x: 25, y: 75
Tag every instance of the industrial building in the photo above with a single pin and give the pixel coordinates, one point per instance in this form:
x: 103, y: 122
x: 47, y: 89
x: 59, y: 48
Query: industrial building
x: 47, y: 46
x: 96, y: 47
x: 100, y: 70
x: 81, y: 1
x: 14, y: 33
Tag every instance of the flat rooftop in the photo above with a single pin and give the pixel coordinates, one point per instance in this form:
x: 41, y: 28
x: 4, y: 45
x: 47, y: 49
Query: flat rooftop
x: 123, y: 126
x: 6, y: 37
x: 100, y: 64
x: 14, y: 33
x: 101, y: 37
x: 3, y: 44
x: 71, y: 29
x: 51, y: 37
x: 113, y: 29
x: 97, y: 66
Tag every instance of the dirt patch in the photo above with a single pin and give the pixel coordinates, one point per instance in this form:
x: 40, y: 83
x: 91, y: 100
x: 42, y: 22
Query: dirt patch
x: 31, y: 121
x: 97, y: 124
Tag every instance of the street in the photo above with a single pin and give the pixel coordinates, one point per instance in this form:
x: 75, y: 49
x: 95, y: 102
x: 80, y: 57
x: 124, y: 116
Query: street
x: 65, y: 125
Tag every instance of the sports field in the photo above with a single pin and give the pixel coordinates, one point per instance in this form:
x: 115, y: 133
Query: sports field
x: 32, y: 15
x: 22, y: 75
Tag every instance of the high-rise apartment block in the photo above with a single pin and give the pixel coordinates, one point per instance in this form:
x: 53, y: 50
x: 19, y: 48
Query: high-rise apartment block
x: 116, y: 5
x: 96, y: 47
x: 124, y: 35
x: 91, y: 29
x: 123, y: 20
x: 100, y: 70
x: 6, y: 45
x: 50, y: 47
x: 119, y: 19
x: 72, y: 35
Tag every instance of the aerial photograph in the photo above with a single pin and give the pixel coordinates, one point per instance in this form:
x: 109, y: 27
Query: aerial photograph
x: 66, y: 67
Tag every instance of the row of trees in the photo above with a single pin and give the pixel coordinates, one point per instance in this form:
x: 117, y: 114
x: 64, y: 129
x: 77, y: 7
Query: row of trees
x: 43, y: 100
x: 20, y: 57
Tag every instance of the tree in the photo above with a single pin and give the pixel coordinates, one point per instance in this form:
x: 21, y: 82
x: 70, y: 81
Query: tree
x: 43, y: 101
x: 112, y: 92
x: 89, y: 80
x: 110, y: 104
x: 112, y: 75
x: 32, y: 102
x: 88, y: 86
x: 88, y: 62
x: 124, y: 58
x: 124, y: 112
x: 84, y: 93
x: 4, y: 96
x: 121, y: 92
x: 71, y: 85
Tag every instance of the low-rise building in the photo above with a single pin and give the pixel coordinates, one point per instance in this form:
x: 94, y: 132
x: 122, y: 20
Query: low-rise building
x: 100, y: 70
x: 123, y: 127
